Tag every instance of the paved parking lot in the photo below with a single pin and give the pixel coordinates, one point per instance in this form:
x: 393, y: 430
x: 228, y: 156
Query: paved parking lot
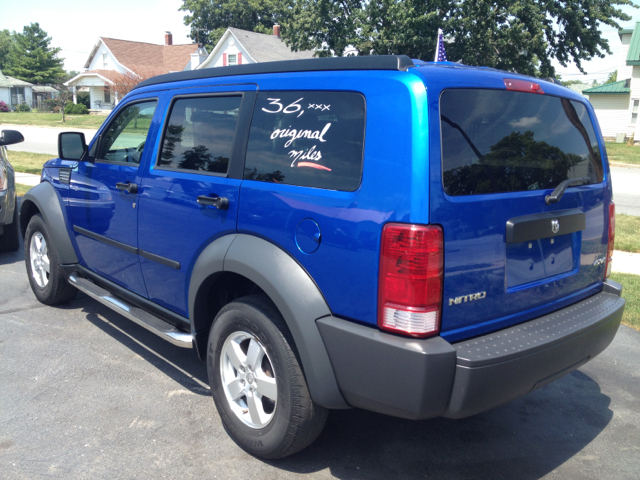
x: 84, y: 393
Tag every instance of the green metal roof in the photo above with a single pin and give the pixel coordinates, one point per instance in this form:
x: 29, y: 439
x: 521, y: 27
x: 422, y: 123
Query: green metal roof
x: 633, y: 57
x: 620, y: 88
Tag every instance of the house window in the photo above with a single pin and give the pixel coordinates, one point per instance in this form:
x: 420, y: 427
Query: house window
x: 634, y: 111
x: 17, y: 95
x: 105, y: 61
x: 107, y: 95
x: 233, y: 59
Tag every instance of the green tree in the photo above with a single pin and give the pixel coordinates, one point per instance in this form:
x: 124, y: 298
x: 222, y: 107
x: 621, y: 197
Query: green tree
x: 572, y: 82
x: 6, y: 41
x: 521, y: 36
x: 210, y: 19
x: 32, y: 59
x: 612, y: 78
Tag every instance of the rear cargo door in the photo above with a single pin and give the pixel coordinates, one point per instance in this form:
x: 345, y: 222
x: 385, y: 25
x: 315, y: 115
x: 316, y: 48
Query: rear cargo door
x: 509, y: 254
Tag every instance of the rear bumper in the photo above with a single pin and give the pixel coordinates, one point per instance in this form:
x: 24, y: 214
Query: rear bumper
x: 418, y: 379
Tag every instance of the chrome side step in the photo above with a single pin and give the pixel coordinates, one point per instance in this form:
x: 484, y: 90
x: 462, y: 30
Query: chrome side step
x: 135, y: 314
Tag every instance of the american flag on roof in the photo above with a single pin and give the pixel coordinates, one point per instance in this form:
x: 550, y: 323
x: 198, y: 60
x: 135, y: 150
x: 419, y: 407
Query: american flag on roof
x: 441, y: 55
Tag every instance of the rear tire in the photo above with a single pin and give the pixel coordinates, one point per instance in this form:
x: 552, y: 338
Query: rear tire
x: 250, y: 360
x: 47, y: 281
x: 10, y: 239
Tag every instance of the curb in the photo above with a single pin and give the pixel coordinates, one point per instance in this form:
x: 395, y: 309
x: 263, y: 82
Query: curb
x: 621, y: 164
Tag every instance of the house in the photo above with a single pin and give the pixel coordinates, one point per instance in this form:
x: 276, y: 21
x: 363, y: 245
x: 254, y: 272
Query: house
x: 42, y: 93
x: 617, y: 104
x: 111, y: 59
x: 237, y: 47
x: 15, y: 92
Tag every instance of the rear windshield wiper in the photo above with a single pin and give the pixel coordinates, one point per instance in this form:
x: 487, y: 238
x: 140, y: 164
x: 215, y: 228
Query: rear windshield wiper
x: 556, y: 195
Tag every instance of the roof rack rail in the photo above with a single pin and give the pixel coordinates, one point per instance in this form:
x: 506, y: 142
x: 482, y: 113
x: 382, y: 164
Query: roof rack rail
x: 370, y: 62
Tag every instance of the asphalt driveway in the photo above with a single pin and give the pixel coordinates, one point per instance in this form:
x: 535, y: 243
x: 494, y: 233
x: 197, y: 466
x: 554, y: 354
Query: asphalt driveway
x: 84, y: 393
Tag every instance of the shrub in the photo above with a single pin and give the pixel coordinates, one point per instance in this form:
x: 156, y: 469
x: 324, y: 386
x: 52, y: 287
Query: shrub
x: 23, y: 108
x: 3, y: 107
x: 73, y: 109
x: 80, y: 109
x: 84, y: 98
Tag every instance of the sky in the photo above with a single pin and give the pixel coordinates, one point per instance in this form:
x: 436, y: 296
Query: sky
x: 75, y: 25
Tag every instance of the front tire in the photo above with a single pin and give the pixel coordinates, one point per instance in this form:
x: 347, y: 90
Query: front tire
x: 257, y: 382
x: 48, y: 283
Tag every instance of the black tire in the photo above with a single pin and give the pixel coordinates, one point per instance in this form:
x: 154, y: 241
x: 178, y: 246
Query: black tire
x: 10, y: 239
x: 296, y: 420
x: 56, y: 289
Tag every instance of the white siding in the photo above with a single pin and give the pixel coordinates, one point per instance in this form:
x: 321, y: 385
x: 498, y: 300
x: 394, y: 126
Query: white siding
x: 227, y: 47
x: 613, y: 113
x: 97, y: 63
x: 96, y: 94
x: 624, y: 70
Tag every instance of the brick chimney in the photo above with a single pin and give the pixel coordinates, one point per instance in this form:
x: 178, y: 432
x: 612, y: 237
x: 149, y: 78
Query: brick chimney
x: 276, y: 30
x: 168, y: 38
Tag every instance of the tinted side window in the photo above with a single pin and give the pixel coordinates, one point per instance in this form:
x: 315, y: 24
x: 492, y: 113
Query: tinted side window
x: 124, y: 139
x: 311, y: 139
x: 200, y: 134
x: 502, y: 141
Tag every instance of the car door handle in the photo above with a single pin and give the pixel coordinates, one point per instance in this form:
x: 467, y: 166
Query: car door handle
x: 219, y: 202
x: 127, y: 187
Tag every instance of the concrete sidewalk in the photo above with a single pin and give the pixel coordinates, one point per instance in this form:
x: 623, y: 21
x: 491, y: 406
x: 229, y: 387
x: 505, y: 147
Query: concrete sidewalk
x: 625, y: 262
x: 27, y: 179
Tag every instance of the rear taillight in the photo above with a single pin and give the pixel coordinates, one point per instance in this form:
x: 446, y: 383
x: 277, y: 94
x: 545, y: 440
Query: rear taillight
x: 522, y: 86
x: 612, y: 236
x: 410, y: 283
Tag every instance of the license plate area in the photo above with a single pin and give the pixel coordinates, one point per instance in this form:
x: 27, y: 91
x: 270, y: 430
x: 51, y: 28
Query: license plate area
x: 535, y: 260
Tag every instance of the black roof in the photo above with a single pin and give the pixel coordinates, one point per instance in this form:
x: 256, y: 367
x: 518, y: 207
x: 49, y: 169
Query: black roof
x: 371, y: 62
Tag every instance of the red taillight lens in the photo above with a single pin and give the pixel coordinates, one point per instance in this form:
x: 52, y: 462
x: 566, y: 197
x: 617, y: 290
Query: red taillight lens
x: 410, y: 283
x: 612, y: 236
x: 522, y: 86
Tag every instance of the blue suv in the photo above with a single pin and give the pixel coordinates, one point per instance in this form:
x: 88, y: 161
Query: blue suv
x: 410, y: 238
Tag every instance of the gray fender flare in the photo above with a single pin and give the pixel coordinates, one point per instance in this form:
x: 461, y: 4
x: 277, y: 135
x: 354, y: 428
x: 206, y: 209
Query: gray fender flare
x: 291, y: 289
x: 49, y: 203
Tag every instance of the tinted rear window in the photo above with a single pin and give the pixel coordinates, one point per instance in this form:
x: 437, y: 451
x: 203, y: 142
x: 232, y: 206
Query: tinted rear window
x: 311, y: 139
x: 502, y: 141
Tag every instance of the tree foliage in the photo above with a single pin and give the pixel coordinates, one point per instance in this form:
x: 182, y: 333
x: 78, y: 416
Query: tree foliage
x: 6, y: 41
x: 32, y: 59
x: 210, y: 19
x: 521, y: 36
x: 123, y: 83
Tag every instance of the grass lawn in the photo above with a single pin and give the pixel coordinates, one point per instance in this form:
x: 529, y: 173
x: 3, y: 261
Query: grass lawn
x: 27, y: 162
x: 620, y: 152
x: 631, y: 293
x: 21, y: 189
x: 627, y: 233
x: 52, y: 120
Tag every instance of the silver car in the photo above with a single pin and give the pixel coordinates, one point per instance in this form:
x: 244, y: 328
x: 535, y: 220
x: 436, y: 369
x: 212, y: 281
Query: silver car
x: 9, y: 229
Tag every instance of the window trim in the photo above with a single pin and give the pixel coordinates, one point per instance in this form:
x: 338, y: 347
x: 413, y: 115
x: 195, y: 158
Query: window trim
x: 238, y: 150
x: 100, y: 136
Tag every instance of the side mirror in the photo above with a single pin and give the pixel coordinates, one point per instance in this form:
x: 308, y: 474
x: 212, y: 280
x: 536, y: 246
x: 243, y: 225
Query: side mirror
x: 71, y: 146
x: 10, y: 137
